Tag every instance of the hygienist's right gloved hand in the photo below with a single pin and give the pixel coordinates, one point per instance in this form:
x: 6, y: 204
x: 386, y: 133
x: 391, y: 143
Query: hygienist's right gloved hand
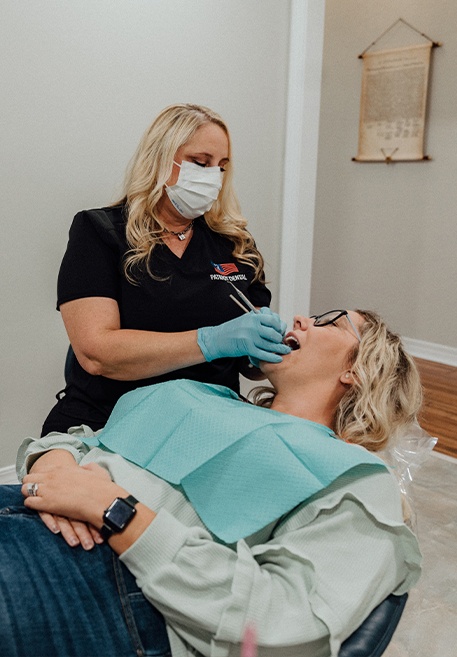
x: 257, y: 335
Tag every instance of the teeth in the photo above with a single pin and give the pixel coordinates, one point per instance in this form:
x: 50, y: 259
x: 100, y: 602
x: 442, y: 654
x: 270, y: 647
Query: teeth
x: 292, y: 342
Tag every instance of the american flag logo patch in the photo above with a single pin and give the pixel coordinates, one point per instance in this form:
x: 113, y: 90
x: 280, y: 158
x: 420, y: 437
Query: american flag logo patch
x: 225, y: 269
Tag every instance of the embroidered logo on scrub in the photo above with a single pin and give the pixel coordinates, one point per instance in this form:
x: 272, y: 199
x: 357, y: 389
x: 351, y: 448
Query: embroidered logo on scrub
x: 226, y: 271
x: 228, y: 268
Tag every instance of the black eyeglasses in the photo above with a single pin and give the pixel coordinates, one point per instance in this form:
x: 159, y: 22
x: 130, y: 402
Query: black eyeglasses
x: 331, y: 316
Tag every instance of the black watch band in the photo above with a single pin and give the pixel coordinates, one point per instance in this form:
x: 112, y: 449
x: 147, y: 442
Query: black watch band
x: 118, y: 515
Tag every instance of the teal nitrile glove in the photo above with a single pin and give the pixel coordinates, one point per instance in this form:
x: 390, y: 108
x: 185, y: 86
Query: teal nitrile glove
x: 257, y: 335
x: 256, y: 361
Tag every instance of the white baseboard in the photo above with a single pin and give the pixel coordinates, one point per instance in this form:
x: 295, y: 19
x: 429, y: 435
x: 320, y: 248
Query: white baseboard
x: 438, y: 353
x: 8, y: 475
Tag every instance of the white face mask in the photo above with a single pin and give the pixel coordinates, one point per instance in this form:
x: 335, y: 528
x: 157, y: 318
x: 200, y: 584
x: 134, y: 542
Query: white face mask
x: 195, y: 190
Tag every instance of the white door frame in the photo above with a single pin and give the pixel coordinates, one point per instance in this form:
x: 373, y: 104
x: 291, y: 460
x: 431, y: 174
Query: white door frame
x: 300, y: 156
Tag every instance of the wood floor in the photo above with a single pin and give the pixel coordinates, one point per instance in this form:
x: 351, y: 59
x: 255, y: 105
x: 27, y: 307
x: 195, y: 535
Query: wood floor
x: 439, y: 413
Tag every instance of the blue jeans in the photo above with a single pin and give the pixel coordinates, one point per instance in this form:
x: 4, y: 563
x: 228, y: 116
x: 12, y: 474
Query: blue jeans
x: 67, y: 602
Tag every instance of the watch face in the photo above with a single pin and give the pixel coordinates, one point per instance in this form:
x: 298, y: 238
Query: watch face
x: 118, y: 515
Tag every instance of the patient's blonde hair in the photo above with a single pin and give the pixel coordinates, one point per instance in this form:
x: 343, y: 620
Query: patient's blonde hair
x: 386, y: 393
x: 151, y: 167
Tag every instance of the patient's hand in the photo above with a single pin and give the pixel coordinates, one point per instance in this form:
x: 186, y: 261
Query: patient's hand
x: 74, y: 532
x: 71, y: 499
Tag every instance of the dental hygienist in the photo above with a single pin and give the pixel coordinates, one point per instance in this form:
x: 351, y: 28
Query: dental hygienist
x: 143, y: 287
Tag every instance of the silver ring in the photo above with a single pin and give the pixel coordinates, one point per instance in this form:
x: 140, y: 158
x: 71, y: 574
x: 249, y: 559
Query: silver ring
x: 32, y: 490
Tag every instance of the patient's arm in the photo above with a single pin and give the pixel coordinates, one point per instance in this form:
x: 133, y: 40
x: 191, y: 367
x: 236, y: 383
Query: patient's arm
x: 54, y: 458
x: 33, y: 449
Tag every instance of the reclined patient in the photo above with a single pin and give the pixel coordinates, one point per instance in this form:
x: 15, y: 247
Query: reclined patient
x: 276, y: 514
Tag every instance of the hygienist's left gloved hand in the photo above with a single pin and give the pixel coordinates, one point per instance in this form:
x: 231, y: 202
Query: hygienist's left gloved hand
x: 257, y: 335
x: 283, y: 328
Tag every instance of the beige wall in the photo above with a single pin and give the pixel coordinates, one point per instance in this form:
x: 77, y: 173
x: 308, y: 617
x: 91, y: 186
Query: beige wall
x: 386, y: 236
x: 81, y: 81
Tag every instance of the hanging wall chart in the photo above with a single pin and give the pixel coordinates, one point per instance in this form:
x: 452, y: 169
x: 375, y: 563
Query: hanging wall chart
x: 393, y: 101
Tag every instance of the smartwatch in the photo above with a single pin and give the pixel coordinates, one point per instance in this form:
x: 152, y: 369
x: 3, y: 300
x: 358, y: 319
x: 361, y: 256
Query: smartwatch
x: 118, y: 515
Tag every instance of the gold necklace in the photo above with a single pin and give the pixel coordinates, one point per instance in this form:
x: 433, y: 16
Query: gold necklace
x: 180, y: 234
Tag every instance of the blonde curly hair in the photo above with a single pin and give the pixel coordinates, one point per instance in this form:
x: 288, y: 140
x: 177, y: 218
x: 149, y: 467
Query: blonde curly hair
x: 386, y: 393
x: 149, y: 170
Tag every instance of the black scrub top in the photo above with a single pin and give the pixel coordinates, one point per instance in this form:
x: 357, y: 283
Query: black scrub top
x: 188, y: 293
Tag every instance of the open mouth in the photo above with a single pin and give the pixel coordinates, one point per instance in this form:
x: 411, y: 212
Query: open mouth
x: 292, y: 342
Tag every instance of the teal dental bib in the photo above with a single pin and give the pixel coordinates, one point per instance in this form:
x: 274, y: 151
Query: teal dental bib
x: 241, y: 466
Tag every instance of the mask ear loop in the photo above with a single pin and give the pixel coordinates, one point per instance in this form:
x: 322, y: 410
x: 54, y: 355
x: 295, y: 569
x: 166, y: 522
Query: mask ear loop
x: 178, y: 165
